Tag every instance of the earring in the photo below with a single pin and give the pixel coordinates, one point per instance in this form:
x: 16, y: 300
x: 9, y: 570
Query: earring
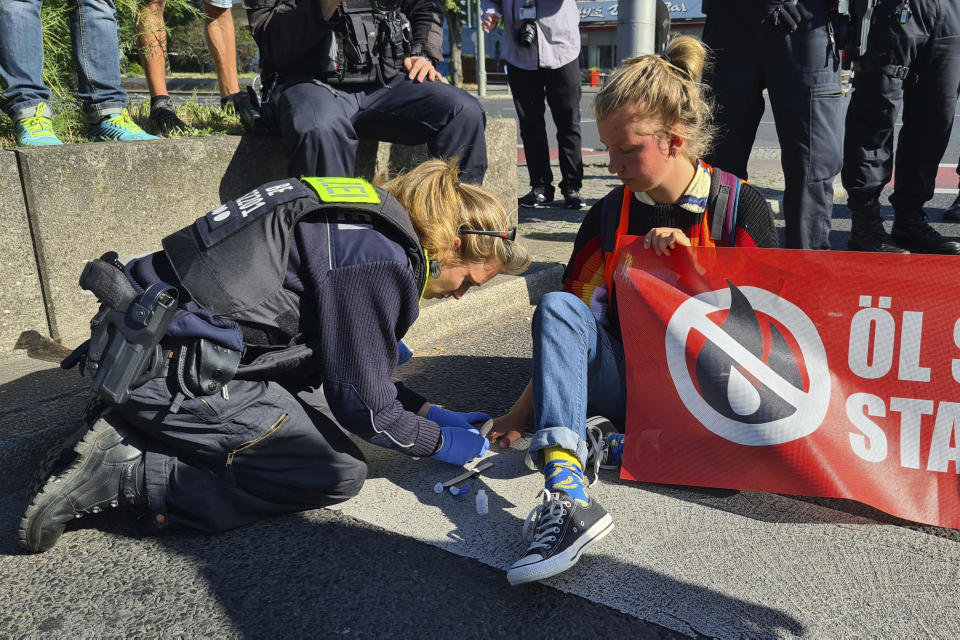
x: 434, y: 269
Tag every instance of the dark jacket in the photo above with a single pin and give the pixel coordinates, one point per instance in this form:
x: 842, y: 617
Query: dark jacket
x: 294, y: 38
x: 356, y: 292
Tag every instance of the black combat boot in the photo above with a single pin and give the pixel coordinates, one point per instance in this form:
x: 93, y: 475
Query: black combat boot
x: 867, y: 234
x: 952, y: 213
x: 106, y: 471
x: 911, y: 231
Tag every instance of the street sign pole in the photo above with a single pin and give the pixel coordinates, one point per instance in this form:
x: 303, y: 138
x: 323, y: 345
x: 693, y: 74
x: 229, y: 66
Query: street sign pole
x: 481, y: 56
x: 636, y: 28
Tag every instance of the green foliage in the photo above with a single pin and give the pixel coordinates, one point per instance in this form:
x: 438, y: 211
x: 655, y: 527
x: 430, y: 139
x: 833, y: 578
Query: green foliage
x: 187, y: 49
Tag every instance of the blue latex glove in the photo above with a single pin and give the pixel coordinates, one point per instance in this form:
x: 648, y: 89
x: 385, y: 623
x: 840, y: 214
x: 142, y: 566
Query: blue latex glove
x: 460, y: 446
x: 456, y: 419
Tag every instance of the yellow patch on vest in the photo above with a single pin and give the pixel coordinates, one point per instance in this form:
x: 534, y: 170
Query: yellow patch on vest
x: 346, y: 190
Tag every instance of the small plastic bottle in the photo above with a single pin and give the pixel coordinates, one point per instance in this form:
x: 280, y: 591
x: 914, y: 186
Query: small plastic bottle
x: 482, y: 504
x: 459, y: 491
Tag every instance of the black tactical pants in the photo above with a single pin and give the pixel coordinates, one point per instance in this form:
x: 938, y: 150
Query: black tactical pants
x: 801, y: 73
x: 926, y: 49
x: 321, y: 125
x: 561, y: 90
x: 221, y: 463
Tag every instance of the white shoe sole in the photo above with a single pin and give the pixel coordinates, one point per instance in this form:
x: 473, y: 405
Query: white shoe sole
x: 561, y: 562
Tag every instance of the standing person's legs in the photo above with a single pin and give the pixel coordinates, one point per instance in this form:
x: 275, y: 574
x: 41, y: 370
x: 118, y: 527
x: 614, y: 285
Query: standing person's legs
x: 96, y: 46
x: 21, y: 59
x: 317, y: 127
x: 221, y: 41
x: 152, y: 41
x: 737, y: 87
x: 529, y: 94
x: 449, y: 120
x: 803, y: 81
x: 929, y: 104
x: 25, y: 98
x: 563, y: 97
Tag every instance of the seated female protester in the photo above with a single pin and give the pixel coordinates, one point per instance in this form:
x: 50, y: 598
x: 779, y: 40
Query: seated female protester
x: 655, y: 123
x: 310, y: 285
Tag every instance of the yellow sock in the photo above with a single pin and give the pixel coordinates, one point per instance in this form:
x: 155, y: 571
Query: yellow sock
x: 558, y: 453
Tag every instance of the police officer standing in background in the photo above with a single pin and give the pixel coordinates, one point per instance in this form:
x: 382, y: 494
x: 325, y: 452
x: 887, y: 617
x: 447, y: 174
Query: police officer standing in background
x: 340, y: 70
x: 789, y: 49
x: 542, y: 48
x: 912, y: 56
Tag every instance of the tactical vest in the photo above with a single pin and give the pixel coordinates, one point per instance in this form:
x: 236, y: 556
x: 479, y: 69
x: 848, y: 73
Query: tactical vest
x: 368, y: 43
x: 233, y: 260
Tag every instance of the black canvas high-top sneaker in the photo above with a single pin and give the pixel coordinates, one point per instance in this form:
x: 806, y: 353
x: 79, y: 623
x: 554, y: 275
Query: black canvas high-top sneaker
x: 559, y: 530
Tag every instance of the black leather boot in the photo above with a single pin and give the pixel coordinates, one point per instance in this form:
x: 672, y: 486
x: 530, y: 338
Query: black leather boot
x: 952, y: 213
x: 867, y: 234
x: 106, y: 471
x: 911, y: 231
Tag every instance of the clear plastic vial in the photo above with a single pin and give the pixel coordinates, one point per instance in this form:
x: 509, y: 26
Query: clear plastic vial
x: 482, y: 505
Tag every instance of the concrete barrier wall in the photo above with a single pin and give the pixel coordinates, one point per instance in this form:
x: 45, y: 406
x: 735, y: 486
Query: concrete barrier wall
x: 21, y: 298
x: 86, y: 199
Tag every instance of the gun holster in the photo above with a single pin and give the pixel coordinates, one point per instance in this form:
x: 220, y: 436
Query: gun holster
x: 124, y: 348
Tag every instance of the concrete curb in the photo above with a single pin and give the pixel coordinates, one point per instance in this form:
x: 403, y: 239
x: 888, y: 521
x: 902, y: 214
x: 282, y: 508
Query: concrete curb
x: 28, y: 431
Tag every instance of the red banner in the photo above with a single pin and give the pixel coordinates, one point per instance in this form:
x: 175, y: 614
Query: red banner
x: 828, y: 374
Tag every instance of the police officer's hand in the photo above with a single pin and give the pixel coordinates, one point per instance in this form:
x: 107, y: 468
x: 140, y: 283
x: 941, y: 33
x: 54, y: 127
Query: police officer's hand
x: 490, y: 20
x: 447, y: 418
x: 663, y: 239
x: 460, y: 446
x: 420, y: 69
x: 781, y: 15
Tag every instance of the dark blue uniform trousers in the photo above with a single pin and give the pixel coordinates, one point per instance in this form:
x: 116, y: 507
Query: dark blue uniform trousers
x: 221, y: 463
x: 928, y: 44
x: 321, y: 125
x: 801, y: 73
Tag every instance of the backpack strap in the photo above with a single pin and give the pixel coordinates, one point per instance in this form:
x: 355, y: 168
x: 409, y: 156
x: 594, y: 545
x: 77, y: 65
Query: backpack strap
x: 722, y: 206
x: 612, y: 228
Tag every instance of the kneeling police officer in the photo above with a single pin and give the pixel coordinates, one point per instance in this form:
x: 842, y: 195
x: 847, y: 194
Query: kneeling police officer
x: 337, y: 71
x: 225, y: 365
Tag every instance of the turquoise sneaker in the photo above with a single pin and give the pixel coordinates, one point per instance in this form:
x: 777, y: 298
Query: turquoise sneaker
x: 118, y: 127
x: 36, y: 130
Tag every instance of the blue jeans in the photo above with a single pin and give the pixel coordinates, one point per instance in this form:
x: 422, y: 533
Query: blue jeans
x: 96, y: 47
x: 578, y: 371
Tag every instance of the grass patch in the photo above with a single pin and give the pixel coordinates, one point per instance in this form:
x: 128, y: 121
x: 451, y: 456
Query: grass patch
x: 70, y: 127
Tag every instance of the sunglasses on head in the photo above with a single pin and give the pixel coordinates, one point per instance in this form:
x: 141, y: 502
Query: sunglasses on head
x: 510, y: 234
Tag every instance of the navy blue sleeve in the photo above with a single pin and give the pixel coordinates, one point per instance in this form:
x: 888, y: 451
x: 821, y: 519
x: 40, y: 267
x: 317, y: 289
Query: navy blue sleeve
x: 364, y: 309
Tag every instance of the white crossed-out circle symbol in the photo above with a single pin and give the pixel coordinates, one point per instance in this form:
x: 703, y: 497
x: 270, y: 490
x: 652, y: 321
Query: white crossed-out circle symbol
x: 811, y: 406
